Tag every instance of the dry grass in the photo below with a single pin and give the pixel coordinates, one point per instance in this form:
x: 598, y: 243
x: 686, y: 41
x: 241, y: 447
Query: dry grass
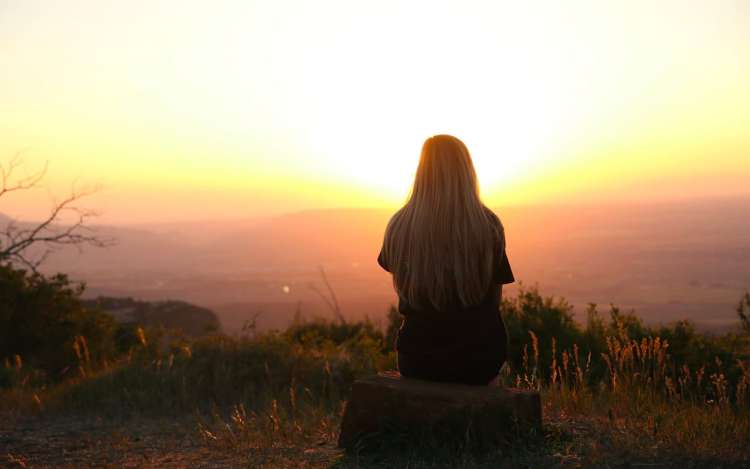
x: 273, y: 402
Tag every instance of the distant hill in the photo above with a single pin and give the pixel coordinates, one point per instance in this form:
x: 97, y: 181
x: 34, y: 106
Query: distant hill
x: 178, y: 315
x: 668, y: 261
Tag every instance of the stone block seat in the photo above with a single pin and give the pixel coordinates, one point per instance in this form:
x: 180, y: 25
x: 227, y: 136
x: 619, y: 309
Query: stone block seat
x: 484, y: 414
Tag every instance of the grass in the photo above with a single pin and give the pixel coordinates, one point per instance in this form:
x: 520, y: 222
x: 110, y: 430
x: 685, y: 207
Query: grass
x: 276, y: 400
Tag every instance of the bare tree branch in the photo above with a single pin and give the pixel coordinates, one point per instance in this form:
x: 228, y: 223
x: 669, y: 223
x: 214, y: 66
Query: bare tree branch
x: 28, y: 182
x: 51, y: 233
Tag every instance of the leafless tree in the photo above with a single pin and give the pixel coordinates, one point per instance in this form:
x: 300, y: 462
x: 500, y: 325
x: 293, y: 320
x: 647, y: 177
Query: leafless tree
x: 50, y: 234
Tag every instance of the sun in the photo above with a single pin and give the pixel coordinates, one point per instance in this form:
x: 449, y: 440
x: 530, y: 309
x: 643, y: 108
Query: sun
x: 380, y: 149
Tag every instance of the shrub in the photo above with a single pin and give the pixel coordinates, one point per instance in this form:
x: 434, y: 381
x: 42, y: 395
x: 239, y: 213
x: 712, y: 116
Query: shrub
x: 41, y: 319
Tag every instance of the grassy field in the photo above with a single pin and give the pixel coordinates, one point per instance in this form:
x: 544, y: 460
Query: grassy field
x: 615, y: 394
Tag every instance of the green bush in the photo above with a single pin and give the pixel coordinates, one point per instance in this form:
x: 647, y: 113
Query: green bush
x: 319, y: 332
x: 546, y: 318
x: 41, y: 319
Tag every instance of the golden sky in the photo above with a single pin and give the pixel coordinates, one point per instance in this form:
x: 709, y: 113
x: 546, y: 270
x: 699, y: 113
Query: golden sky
x: 234, y: 109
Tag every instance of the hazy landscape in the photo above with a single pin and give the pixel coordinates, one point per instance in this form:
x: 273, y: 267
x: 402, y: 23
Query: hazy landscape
x: 193, y: 197
x: 667, y: 261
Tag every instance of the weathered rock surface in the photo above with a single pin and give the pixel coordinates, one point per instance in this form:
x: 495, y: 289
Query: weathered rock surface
x: 471, y: 414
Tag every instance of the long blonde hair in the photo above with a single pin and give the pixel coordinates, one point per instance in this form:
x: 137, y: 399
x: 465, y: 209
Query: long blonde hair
x: 440, y: 244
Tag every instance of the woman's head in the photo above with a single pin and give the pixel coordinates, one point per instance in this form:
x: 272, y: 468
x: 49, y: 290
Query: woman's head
x: 445, y: 170
x: 440, y: 245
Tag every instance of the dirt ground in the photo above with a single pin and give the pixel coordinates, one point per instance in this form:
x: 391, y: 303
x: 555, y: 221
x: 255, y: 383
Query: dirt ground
x: 88, y: 442
x: 74, y: 441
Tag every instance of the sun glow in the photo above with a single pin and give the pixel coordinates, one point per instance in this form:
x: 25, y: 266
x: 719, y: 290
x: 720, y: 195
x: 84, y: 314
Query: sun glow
x: 239, y: 108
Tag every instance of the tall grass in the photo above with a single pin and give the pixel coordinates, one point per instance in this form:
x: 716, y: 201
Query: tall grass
x: 288, y: 388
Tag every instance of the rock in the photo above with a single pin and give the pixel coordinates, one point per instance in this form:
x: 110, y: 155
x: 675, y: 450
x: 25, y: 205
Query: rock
x: 447, y: 413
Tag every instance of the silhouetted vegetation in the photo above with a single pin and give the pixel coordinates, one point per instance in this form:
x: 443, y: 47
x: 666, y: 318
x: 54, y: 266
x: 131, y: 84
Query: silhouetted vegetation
x: 640, y: 387
x: 47, y: 330
x: 545, y: 326
x: 29, y: 244
x: 42, y: 322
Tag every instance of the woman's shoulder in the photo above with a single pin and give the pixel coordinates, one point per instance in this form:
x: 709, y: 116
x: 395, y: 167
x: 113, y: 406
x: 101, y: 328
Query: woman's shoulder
x: 495, y: 220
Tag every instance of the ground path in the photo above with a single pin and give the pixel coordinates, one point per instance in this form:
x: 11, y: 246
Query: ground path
x: 73, y: 441
x: 82, y: 442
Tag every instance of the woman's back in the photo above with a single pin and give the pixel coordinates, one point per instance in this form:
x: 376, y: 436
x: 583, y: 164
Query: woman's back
x: 446, y: 251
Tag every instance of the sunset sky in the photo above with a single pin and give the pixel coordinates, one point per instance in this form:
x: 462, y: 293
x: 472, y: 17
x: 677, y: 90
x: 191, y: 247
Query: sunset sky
x: 234, y: 109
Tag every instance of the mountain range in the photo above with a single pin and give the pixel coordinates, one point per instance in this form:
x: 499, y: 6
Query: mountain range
x: 668, y: 261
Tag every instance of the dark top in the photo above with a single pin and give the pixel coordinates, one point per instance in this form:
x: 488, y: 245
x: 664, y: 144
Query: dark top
x: 474, y: 333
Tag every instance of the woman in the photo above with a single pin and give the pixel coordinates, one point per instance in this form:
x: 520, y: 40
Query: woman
x: 446, y: 252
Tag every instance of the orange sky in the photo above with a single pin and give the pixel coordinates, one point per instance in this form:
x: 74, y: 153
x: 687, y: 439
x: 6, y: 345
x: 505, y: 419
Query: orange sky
x: 201, y: 110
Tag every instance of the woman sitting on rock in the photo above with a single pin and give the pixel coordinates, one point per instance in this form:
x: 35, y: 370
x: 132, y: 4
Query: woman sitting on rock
x: 446, y: 251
